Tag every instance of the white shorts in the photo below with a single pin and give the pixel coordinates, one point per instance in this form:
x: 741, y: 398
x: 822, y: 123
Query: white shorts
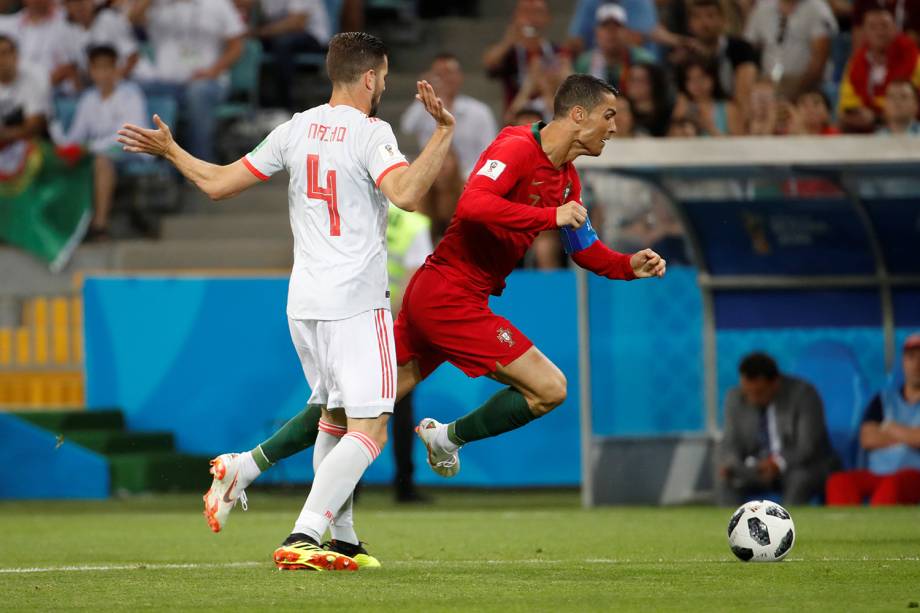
x: 349, y: 363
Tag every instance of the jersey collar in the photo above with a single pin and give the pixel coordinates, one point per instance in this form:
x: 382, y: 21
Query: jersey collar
x: 535, y: 128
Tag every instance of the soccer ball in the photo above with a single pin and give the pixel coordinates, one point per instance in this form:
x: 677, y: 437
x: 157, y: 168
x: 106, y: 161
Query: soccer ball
x: 761, y: 531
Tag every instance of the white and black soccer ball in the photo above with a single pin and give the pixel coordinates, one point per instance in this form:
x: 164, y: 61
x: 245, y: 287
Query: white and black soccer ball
x: 761, y: 531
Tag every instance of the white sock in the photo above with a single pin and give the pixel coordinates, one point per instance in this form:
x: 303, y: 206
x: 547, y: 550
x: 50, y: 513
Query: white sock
x: 443, y: 441
x: 249, y: 470
x: 342, y: 528
x: 334, y: 483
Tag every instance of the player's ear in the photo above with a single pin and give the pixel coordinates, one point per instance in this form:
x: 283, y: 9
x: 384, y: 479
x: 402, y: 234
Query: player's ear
x: 370, y: 79
x: 578, y: 114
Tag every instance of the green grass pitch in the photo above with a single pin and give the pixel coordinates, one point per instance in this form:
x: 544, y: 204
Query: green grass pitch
x: 471, y: 551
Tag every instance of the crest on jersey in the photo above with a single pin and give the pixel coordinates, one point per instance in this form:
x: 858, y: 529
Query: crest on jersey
x: 492, y: 169
x: 504, y: 336
x: 388, y: 152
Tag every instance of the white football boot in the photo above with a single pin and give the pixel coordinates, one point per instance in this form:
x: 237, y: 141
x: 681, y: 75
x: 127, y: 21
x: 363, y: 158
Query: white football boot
x: 444, y: 463
x: 224, y: 492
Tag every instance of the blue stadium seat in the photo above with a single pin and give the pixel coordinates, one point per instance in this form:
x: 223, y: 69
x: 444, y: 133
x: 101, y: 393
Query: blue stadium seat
x: 833, y: 369
x: 244, y: 83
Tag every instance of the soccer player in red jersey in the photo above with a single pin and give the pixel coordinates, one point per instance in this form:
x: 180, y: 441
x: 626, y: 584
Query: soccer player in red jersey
x: 523, y: 184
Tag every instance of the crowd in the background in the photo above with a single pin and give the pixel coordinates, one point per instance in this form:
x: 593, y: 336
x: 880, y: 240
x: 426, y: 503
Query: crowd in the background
x: 109, y: 61
x: 685, y: 68
x: 725, y: 67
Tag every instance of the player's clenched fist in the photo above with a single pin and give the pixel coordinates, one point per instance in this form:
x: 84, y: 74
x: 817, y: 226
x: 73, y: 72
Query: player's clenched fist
x: 571, y: 214
x: 647, y: 263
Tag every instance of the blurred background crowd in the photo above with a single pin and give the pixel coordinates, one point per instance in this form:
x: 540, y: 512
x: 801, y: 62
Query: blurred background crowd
x: 225, y: 71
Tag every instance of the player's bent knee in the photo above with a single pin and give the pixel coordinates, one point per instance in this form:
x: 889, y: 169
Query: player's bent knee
x: 553, y: 393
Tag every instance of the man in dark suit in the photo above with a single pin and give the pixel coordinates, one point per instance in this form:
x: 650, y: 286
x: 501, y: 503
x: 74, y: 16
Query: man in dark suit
x: 775, y: 438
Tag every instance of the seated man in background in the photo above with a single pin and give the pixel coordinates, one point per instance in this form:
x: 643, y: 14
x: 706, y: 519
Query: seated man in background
x: 735, y: 58
x: 90, y: 27
x: 902, y: 103
x: 101, y: 112
x: 290, y: 27
x: 43, y: 41
x: 890, y: 434
x: 885, y: 56
x: 613, y: 53
x: 775, y: 437
x: 194, y: 43
x: 25, y: 103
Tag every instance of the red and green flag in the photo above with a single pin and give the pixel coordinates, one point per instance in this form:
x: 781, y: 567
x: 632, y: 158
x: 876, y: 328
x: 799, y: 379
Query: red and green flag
x: 46, y: 199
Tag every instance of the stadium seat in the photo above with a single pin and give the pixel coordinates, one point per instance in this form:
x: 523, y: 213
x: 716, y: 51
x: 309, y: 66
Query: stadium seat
x: 244, y: 83
x: 833, y: 369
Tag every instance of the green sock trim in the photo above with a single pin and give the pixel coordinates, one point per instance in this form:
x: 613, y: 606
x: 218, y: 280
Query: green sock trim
x: 507, y: 410
x: 261, y: 459
x: 452, y: 434
x: 297, y: 434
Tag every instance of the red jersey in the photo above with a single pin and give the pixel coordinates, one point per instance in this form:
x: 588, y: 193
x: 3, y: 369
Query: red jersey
x: 509, y: 198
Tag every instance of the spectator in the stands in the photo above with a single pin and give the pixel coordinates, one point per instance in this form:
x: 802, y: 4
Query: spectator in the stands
x: 649, y: 99
x: 93, y: 27
x: 906, y: 16
x: 101, y: 111
x: 684, y: 127
x: 794, y: 39
x: 886, y: 55
x: 763, y: 117
x: 811, y: 115
x: 25, y: 97
x: 642, y: 23
x: 524, y: 57
x: 890, y: 435
x: 613, y: 54
x: 735, y: 58
x: 44, y: 42
x: 291, y: 27
x: 194, y: 44
x: 701, y: 99
x: 775, y: 437
x: 475, y: 121
x: 528, y: 115
x: 901, y: 108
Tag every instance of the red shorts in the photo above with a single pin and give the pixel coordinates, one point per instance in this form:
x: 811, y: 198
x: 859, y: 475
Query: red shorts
x: 442, y: 321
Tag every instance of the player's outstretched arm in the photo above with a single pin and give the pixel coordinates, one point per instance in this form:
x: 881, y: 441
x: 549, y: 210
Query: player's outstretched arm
x: 406, y: 186
x: 216, y: 181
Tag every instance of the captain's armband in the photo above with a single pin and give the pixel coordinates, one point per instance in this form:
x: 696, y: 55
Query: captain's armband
x: 574, y: 241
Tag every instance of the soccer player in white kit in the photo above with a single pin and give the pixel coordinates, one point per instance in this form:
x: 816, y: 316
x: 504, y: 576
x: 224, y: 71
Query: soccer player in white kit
x: 344, y: 165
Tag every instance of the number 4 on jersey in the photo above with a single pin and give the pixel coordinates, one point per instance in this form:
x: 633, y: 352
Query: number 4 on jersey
x: 328, y: 193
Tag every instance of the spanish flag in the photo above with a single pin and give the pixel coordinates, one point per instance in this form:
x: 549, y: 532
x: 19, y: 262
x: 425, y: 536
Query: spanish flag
x: 857, y: 88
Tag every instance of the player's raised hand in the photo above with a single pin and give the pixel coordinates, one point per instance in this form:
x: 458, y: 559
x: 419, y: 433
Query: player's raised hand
x: 571, y: 214
x: 433, y: 105
x: 143, y: 140
x: 647, y: 263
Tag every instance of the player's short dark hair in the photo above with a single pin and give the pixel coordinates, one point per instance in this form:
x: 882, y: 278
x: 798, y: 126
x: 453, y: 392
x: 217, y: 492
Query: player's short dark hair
x: 582, y: 90
x: 351, y: 54
x: 758, y: 365
x: 5, y: 38
x: 102, y: 51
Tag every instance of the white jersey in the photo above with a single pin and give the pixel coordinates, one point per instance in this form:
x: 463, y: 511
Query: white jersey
x: 336, y: 157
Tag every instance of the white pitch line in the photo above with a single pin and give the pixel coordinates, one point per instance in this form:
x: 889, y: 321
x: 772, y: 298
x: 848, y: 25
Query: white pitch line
x: 446, y: 563
x: 135, y: 566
